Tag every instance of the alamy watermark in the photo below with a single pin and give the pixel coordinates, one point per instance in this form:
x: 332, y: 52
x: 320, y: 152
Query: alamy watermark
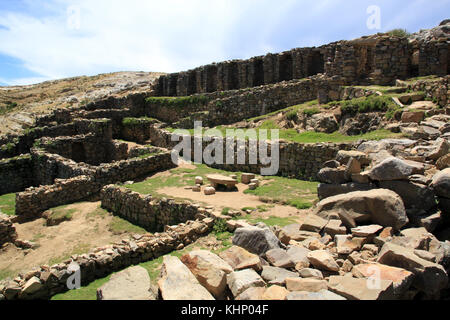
x: 74, y: 280
x: 74, y: 17
x: 243, y: 147
x: 374, y: 19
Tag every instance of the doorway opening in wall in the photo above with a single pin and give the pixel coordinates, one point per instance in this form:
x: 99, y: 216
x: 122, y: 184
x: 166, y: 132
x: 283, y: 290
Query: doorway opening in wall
x: 192, y: 83
x: 285, y: 67
x: 414, y: 67
x: 78, y: 152
x: 258, y: 72
x: 316, y: 64
x: 233, y: 76
x: 211, y: 79
x: 173, y: 86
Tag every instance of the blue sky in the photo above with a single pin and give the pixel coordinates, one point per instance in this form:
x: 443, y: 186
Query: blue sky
x: 52, y: 39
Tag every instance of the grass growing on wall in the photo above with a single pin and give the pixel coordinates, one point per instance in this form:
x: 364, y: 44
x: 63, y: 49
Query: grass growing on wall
x: 8, y: 204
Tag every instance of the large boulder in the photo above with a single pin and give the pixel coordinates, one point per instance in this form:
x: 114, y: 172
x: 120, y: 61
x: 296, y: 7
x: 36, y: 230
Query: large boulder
x: 293, y: 232
x: 256, y: 240
x: 209, y: 269
x: 391, y: 169
x: 380, y: 206
x: 130, y: 284
x: 441, y: 183
x: 299, y: 256
x: 344, y: 156
x: 333, y: 176
x: 414, y: 195
x: 431, y: 277
x: 361, y: 289
x: 178, y: 283
x: 330, y: 190
x: 239, y: 281
x: 401, y: 278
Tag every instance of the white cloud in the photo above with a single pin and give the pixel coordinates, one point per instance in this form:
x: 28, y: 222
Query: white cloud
x: 168, y: 36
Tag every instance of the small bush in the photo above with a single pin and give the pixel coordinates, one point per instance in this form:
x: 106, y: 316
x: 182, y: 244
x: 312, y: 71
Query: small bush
x: 311, y: 111
x: 401, y: 33
x: 220, y: 226
x: 369, y: 104
x: 292, y: 115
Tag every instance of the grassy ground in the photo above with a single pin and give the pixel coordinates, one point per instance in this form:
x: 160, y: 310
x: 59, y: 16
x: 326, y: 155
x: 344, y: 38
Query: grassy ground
x: 315, y: 137
x: 271, y: 221
x: 62, y: 212
x: 8, y: 204
x: 297, y: 193
x: 179, y: 177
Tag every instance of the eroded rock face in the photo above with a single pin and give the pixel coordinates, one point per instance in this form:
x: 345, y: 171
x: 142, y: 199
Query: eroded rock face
x: 130, y: 284
x: 380, y: 206
x: 178, y: 283
x: 256, y: 240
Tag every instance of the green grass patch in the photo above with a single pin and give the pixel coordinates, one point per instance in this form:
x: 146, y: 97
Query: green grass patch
x: 401, y: 33
x: 86, y: 293
x: 179, y: 177
x: 129, y: 122
x: 62, y: 212
x: 79, y: 249
x: 99, y: 212
x: 311, y: 111
x: 297, y: 193
x: 8, y: 204
x: 119, y: 226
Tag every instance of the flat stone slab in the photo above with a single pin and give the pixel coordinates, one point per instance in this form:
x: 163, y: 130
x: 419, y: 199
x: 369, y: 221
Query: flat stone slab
x: 130, y: 284
x: 216, y: 179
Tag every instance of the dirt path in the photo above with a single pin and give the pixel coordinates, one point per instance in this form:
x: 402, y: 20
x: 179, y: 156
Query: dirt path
x: 233, y: 199
x: 84, y: 232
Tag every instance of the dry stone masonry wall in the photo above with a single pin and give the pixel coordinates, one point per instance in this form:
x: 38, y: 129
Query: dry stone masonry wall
x: 378, y: 59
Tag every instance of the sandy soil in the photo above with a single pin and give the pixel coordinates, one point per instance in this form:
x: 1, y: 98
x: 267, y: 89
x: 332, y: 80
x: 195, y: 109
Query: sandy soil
x: 79, y: 235
x: 234, y: 200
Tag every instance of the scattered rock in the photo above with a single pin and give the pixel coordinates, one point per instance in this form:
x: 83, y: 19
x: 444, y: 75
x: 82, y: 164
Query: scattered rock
x: 239, y: 281
x: 279, y: 258
x: 274, y: 275
x: 430, y: 277
x: 441, y: 183
x: 306, y: 284
x: 322, y: 260
x: 361, y: 289
x: 256, y: 240
x: 275, y: 293
x: 391, y: 169
x: 239, y: 258
x: 178, y: 283
x: 209, y: 269
x: 209, y: 191
x: 322, y: 295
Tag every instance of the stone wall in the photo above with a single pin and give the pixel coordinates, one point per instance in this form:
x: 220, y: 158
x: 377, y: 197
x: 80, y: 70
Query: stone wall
x: 136, y: 129
x: 301, y: 161
x: 378, y: 59
x: 75, y: 187
x: 16, y: 174
x: 142, y: 210
x: 7, y: 230
x: 33, y: 201
x: 437, y: 90
x: 46, y: 281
